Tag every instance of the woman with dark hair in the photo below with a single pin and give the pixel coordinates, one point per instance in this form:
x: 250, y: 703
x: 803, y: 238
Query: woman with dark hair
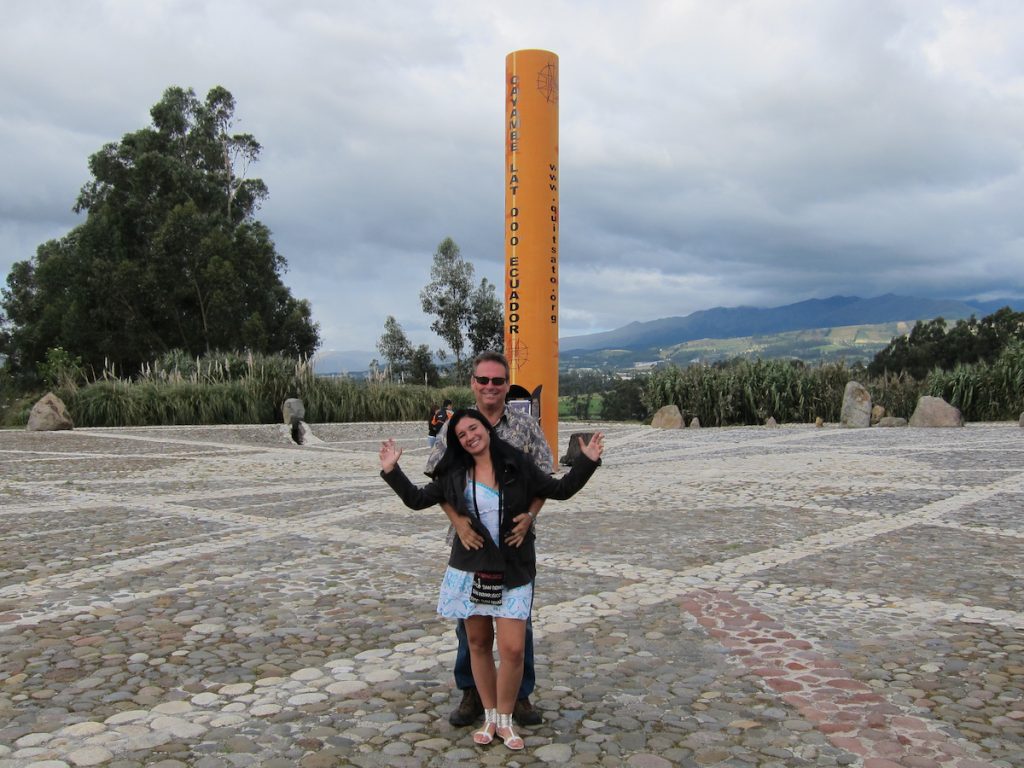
x: 490, y: 482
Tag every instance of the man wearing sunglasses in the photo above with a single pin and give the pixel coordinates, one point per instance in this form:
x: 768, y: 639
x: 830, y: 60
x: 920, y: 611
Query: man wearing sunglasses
x: 490, y: 384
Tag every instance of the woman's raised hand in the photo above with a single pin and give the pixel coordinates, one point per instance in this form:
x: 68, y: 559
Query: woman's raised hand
x: 389, y: 455
x: 594, y: 448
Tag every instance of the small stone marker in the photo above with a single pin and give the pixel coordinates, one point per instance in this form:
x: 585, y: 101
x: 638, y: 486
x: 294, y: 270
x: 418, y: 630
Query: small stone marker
x: 771, y: 423
x: 293, y: 412
x: 694, y: 423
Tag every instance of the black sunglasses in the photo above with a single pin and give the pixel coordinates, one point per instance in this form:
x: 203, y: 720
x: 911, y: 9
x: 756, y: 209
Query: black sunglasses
x: 495, y: 380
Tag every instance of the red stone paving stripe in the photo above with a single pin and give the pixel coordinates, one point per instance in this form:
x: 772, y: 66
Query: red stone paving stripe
x: 852, y: 715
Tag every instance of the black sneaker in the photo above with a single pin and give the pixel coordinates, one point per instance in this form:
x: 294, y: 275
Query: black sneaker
x: 525, y: 714
x: 470, y: 709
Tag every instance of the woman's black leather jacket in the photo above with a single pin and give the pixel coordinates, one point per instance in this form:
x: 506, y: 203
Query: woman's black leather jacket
x: 519, y: 481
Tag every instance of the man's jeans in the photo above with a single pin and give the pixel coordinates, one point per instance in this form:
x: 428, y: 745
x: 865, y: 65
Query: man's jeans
x: 464, y: 670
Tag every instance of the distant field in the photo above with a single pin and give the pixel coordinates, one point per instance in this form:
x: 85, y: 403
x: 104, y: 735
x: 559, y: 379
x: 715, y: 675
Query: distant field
x: 852, y: 343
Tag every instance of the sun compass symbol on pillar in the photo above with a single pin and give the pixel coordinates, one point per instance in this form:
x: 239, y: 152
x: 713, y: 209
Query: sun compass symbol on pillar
x: 518, y: 354
x: 547, y: 83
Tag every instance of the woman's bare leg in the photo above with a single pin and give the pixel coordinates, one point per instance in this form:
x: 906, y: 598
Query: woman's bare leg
x: 480, y: 635
x: 511, y: 645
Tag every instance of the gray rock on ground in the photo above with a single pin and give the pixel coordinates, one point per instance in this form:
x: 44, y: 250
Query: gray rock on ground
x: 49, y: 414
x: 668, y: 417
x: 877, y: 413
x: 771, y: 423
x: 891, y: 421
x: 292, y: 411
x: 292, y: 414
x: 935, y: 412
x: 694, y: 423
x: 856, y: 409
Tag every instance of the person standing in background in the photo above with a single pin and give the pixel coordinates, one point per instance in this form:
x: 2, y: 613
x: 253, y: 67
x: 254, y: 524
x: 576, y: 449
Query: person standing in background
x: 438, y: 417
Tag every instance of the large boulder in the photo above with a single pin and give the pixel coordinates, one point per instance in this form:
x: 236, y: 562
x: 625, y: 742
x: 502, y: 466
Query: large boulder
x: 668, y: 417
x: 935, y: 412
x: 49, y: 414
x: 856, y: 410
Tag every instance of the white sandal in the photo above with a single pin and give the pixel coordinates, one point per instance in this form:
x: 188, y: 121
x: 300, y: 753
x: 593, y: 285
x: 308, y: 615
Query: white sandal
x: 505, y: 732
x: 486, y: 734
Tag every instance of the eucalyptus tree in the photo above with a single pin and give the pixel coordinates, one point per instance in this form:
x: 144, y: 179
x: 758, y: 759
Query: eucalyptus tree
x: 486, y: 328
x: 466, y: 318
x: 394, y: 346
x: 170, y: 254
x: 447, y: 297
x: 422, y: 368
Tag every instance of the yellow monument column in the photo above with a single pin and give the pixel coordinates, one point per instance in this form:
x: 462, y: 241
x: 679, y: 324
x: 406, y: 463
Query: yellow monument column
x: 531, y: 231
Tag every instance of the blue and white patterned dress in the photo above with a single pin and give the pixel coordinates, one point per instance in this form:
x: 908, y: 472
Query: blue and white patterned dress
x: 454, y: 602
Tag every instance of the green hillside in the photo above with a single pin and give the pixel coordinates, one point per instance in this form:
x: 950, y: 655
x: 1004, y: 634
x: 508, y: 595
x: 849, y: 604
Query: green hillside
x: 851, y: 343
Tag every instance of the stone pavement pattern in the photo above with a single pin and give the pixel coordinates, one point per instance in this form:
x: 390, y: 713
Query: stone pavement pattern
x: 738, y: 597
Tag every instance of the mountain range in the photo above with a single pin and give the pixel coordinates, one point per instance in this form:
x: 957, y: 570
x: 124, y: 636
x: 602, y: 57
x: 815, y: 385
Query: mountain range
x: 733, y: 322
x: 886, y: 315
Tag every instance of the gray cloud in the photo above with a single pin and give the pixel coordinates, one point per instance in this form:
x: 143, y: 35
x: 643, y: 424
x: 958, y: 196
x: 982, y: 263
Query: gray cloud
x: 711, y: 154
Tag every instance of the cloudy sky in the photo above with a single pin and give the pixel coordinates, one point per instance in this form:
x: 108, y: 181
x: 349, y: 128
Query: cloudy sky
x: 712, y: 152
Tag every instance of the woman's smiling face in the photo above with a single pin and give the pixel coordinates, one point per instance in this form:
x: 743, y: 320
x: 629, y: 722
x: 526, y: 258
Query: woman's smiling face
x: 472, y: 435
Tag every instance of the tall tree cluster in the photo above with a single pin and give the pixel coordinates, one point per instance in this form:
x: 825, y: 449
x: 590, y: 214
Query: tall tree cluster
x: 170, y: 255
x: 468, y: 318
x: 405, y: 362
x: 932, y: 344
x: 465, y: 317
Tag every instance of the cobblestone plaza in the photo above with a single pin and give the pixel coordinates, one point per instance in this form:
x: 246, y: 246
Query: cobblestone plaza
x: 735, y: 597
